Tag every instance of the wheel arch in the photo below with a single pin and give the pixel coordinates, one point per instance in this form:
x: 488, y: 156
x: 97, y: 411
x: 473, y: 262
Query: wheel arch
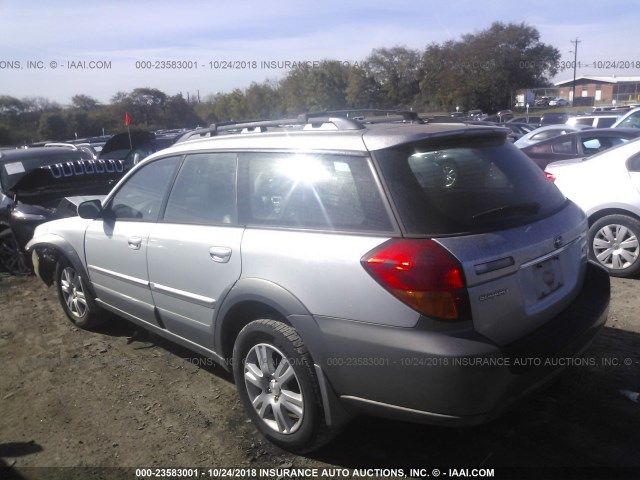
x: 49, y: 249
x: 594, y: 217
x: 253, y: 299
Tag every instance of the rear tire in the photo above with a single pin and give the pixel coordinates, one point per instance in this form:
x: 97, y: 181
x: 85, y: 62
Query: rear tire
x: 277, y: 384
x: 75, y: 299
x: 614, y: 244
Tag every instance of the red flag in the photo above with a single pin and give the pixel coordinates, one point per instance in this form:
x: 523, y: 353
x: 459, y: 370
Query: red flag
x: 127, y: 119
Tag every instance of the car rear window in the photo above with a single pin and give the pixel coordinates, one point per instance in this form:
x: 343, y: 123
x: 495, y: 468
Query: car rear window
x: 465, y: 187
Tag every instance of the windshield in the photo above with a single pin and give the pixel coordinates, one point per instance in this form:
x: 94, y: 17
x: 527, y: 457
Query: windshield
x: 466, y: 188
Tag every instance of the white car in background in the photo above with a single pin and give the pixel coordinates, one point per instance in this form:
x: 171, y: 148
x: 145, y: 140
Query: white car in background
x: 629, y: 120
x: 548, y: 131
x: 558, y: 102
x: 595, y: 121
x: 607, y: 187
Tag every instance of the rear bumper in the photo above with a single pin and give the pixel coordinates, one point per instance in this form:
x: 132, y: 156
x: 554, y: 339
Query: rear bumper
x: 456, y: 378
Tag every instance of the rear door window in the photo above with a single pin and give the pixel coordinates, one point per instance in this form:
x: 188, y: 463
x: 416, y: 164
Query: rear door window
x: 466, y: 187
x: 327, y: 192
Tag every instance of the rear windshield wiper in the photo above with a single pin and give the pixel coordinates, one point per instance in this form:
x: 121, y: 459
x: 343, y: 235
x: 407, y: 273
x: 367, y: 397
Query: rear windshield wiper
x: 530, y: 208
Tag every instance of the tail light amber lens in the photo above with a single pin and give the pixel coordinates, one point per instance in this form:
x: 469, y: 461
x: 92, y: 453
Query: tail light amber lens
x: 423, y: 275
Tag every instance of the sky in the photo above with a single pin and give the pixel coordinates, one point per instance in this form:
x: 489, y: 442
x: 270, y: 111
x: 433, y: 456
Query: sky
x: 56, y: 49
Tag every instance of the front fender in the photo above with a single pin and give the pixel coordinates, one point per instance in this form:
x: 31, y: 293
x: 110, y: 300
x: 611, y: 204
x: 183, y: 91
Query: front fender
x: 48, y: 248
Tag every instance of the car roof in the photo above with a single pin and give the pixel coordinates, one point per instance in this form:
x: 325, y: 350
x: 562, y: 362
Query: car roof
x: 367, y: 137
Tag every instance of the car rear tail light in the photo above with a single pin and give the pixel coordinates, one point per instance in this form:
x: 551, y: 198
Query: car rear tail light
x: 550, y: 176
x: 422, y: 274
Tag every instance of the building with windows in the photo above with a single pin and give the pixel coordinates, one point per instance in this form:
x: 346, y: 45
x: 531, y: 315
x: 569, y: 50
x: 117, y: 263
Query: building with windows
x: 595, y: 90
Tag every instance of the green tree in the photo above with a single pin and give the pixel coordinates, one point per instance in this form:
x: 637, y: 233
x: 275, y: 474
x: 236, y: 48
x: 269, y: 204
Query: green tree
x: 146, y: 106
x: 53, y: 126
x: 40, y: 104
x: 483, y: 69
x: 315, y: 87
x: 10, y: 105
x: 397, y: 72
x: 84, y: 102
x: 362, y: 91
x: 179, y: 113
x: 262, y: 101
x: 6, y: 138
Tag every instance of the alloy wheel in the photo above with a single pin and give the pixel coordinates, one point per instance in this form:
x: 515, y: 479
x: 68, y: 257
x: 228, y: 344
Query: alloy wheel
x: 273, y: 388
x: 73, y: 293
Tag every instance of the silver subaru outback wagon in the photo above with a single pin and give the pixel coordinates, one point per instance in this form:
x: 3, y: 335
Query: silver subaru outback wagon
x: 341, y: 267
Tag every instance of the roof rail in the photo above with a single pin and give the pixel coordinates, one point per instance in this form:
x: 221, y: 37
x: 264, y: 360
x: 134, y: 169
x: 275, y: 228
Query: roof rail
x: 372, y: 115
x: 307, y: 120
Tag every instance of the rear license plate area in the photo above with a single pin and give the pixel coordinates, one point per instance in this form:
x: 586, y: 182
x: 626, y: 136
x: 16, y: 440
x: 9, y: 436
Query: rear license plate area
x: 548, y: 277
x: 540, y: 280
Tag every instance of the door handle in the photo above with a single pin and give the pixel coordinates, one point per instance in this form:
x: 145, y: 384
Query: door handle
x: 220, y: 254
x: 134, y: 243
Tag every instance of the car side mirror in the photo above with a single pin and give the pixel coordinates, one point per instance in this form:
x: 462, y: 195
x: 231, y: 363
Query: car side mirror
x: 90, y: 209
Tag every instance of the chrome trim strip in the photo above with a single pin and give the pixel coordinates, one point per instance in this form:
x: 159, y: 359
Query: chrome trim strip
x: 398, y: 408
x: 551, y: 254
x: 182, y: 295
x: 120, y: 276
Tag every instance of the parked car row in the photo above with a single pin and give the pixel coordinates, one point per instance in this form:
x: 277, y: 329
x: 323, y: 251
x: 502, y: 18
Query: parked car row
x: 551, y: 102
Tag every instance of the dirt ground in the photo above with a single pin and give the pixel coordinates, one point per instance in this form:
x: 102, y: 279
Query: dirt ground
x: 121, y: 398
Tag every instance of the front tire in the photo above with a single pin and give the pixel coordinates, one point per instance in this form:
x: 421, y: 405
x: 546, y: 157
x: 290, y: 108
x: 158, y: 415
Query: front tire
x: 614, y: 244
x: 11, y: 257
x: 278, y: 387
x: 75, y: 299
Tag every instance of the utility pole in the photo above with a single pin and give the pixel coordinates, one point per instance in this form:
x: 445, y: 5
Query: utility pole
x: 575, y: 64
